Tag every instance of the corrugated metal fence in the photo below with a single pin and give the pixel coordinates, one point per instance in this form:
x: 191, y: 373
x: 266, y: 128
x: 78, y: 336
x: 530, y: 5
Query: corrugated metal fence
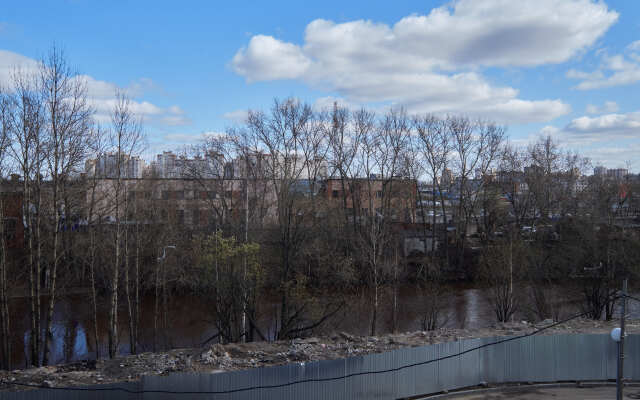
x: 532, y: 359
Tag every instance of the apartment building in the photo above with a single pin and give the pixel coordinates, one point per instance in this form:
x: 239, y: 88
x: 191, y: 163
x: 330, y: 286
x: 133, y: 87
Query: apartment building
x: 374, y: 196
x: 189, y: 202
x: 106, y: 166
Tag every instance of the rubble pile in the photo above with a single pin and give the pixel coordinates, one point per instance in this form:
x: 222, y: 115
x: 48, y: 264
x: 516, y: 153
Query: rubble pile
x: 236, y: 356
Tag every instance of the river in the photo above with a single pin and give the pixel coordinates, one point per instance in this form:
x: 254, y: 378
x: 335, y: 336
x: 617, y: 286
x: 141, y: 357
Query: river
x: 191, y: 321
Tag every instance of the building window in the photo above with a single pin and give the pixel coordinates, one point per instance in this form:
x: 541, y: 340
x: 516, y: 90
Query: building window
x: 335, y: 194
x: 227, y: 194
x: 10, y: 228
x: 179, y: 195
x: 163, y: 214
x: 180, y: 216
x: 147, y: 195
x: 210, y: 195
x: 196, y: 217
x: 379, y: 194
x: 165, y: 195
x: 132, y: 196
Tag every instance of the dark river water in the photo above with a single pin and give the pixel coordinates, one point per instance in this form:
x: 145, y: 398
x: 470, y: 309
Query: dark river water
x: 190, y: 321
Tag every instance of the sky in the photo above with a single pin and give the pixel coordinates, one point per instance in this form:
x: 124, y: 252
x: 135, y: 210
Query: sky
x: 565, y: 68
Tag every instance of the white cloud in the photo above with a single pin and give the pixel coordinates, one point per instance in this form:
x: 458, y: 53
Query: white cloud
x: 431, y: 62
x: 621, y: 156
x: 616, y: 70
x: 610, y: 139
x: 603, y: 128
x: 606, y: 127
x: 608, y: 107
x: 149, y: 112
x: 190, y: 138
x: 634, y: 46
x: 12, y: 62
x: 267, y: 58
x: 237, y: 116
x: 101, y: 94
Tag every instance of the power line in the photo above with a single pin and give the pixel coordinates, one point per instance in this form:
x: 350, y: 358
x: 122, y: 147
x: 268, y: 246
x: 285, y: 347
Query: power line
x: 311, y: 380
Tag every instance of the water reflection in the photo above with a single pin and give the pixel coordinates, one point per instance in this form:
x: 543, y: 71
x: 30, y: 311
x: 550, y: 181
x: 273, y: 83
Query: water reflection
x: 191, y: 321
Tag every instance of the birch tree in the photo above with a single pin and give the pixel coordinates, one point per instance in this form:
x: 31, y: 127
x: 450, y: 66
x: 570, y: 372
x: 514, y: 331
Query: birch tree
x: 25, y: 118
x: 68, y: 118
x: 125, y: 140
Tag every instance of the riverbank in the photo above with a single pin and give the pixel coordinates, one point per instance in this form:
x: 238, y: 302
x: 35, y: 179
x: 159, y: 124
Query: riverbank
x: 238, y: 356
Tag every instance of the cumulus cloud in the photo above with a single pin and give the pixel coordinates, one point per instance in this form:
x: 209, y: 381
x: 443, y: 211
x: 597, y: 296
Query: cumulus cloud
x: 237, y: 116
x: 616, y: 70
x: 603, y: 128
x: 607, y: 107
x: 267, y: 58
x: 431, y: 62
x: 101, y: 94
x: 11, y: 63
x: 611, y: 139
x: 606, y: 127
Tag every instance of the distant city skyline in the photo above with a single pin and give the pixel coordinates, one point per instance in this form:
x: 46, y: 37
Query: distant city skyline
x: 565, y: 68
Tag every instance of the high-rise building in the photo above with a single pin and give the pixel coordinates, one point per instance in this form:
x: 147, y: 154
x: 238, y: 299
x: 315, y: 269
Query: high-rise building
x: 618, y: 173
x: 447, y: 177
x: 106, y: 166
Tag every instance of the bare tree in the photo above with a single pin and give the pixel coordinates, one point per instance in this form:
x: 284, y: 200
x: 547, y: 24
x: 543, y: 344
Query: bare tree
x: 476, y: 146
x: 513, y: 182
x: 94, y: 198
x: 375, y: 196
x: 126, y: 140
x: 435, y: 146
x: 5, y: 323
x: 68, y: 118
x: 25, y: 119
x: 501, y: 266
x: 279, y: 134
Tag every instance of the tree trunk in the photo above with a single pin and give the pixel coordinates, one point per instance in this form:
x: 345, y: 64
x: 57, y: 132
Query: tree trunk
x: 94, y: 299
x: 5, y: 331
x: 374, y: 317
x: 113, y: 302
x: 52, y: 277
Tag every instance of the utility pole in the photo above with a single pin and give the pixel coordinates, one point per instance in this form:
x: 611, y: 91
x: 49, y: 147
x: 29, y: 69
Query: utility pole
x: 620, y: 376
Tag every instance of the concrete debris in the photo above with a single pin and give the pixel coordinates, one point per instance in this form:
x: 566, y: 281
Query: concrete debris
x: 237, y: 356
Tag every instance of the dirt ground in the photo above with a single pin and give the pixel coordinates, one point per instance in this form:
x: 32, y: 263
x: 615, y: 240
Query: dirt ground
x: 239, y: 356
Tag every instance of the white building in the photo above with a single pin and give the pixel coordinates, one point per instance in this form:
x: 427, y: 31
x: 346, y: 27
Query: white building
x: 106, y: 166
x: 170, y: 166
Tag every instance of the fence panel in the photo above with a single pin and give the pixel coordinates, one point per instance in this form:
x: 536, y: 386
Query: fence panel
x: 536, y: 359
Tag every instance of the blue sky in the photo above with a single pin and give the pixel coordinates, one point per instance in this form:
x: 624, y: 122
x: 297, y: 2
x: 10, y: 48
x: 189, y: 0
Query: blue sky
x: 568, y: 68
